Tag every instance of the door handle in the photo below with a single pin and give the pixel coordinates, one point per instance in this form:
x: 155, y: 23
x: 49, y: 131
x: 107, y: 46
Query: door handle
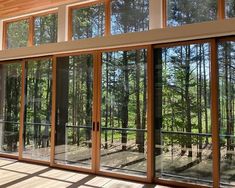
x: 98, y: 126
x: 93, y: 126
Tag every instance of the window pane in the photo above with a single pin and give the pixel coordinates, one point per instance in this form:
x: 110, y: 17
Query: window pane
x: 183, y: 142
x: 230, y: 8
x: 37, y: 120
x: 181, y: 12
x: 123, y: 112
x: 88, y: 22
x: 17, y: 34
x: 45, y: 29
x: 10, y: 94
x: 74, y: 110
x: 226, y: 58
x: 129, y: 16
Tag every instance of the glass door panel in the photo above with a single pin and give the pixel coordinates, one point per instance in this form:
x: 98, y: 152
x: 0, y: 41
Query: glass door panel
x: 183, y: 140
x: 226, y: 63
x: 37, y: 115
x: 123, y: 112
x: 73, y: 142
x: 10, y: 95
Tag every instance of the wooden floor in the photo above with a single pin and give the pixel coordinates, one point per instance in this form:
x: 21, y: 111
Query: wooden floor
x: 15, y: 174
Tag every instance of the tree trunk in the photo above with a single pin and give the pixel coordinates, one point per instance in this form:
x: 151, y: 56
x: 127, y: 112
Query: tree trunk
x: 88, y: 99
x: 106, y: 102
x: 188, y: 102
x: 125, y: 101
x: 62, y: 88
x: 158, y: 99
x: 139, y: 141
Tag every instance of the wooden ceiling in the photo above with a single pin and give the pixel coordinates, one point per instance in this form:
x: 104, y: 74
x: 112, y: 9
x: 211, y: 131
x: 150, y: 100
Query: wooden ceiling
x: 10, y: 8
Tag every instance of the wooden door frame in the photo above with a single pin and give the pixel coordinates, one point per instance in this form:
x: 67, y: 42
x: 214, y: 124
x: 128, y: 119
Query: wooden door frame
x: 214, y: 112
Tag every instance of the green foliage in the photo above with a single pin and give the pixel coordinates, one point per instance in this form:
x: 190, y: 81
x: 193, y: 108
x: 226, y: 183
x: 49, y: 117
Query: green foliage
x: 45, y: 29
x: 182, y: 12
x: 230, y: 8
x: 10, y: 92
x: 17, y: 34
x: 88, y: 22
x: 129, y: 16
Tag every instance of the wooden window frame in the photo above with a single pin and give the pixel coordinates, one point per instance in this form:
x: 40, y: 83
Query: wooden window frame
x: 86, y: 5
x: 214, y: 114
x: 5, y: 29
x: 150, y: 160
x: 220, y: 11
x: 31, y: 33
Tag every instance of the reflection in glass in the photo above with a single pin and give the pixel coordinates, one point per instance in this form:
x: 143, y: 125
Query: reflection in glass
x: 181, y: 12
x: 74, y: 110
x: 17, y: 34
x: 37, y: 116
x: 226, y: 60
x: 88, y: 22
x: 129, y: 16
x: 45, y: 29
x: 230, y: 8
x: 10, y: 92
x: 183, y: 142
x: 123, y: 113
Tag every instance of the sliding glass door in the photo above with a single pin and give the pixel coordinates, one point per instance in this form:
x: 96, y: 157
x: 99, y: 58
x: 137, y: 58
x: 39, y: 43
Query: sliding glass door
x: 101, y: 109
x: 226, y: 72
x: 182, y: 106
x: 123, y: 133
x: 10, y: 99
x: 74, y: 107
x: 37, y: 109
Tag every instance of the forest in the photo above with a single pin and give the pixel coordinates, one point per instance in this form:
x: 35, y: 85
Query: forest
x: 182, y: 95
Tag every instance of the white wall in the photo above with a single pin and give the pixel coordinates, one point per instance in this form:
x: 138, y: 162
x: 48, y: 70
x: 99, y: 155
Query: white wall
x: 1, y: 34
x: 155, y: 14
x: 156, y: 36
x: 62, y: 23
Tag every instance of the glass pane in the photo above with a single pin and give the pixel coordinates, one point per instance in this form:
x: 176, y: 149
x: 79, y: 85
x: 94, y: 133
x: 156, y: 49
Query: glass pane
x: 183, y: 142
x: 88, y: 22
x: 38, y: 99
x: 10, y: 94
x: 129, y: 16
x: 74, y: 110
x: 17, y: 34
x: 181, y: 12
x: 123, y: 120
x: 45, y: 29
x: 226, y: 59
x: 230, y: 8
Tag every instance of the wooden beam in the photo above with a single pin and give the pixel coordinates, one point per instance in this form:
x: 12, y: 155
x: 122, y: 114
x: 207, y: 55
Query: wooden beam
x: 215, y: 115
x: 9, y: 8
x: 221, y: 9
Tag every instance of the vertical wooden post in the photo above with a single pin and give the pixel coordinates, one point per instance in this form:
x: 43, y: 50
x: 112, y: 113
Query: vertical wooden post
x: 53, y: 111
x: 214, y: 115
x: 221, y: 9
x: 94, y: 111
x: 97, y: 92
x: 22, y: 109
x: 150, y: 116
x: 164, y: 13
x: 70, y: 24
x: 4, y: 36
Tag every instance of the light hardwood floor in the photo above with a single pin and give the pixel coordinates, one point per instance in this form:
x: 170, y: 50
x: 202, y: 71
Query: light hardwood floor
x: 15, y: 174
